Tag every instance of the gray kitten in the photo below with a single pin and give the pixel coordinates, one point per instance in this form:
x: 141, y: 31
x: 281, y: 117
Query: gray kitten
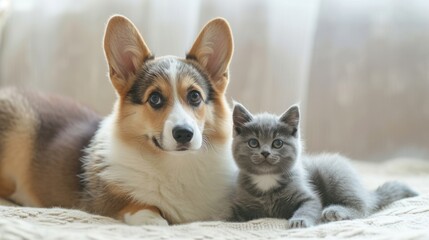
x: 276, y: 181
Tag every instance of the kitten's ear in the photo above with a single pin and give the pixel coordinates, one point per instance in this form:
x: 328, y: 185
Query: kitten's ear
x: 125, y: 52
x: 213, y: 50
x: 240, y: 117
x: 291, y: 118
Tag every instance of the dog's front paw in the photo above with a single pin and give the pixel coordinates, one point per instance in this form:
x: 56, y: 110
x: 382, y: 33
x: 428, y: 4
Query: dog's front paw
x: 299, y: 223
x: 332, y: 214
x: 145, y: 217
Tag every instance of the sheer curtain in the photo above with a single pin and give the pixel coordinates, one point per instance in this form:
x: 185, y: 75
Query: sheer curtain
x: 357, y: 68
x: 56, y: 45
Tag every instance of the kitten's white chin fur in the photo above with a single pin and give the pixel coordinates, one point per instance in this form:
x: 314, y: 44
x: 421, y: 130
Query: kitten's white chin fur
x: 265, y: 182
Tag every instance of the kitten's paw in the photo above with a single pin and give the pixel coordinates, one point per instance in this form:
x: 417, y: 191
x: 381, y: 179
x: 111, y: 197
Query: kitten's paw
x: 145, y: 217
x: 332, y: 214
x: 299, y: 223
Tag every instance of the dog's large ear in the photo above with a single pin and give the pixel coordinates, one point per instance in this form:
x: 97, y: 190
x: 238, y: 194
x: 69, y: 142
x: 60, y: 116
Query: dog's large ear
x: 291, y: 119
x: 240, y: 116
x: 213, y: 50
x: 125, y: 52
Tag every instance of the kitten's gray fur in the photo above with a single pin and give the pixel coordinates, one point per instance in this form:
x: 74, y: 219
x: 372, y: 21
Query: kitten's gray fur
x: 285, y: 184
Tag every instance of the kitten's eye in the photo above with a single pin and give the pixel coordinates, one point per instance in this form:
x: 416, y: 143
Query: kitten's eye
x: 194, y: 98
x: 253, y: 143
x: 156, y: 100
x: 277, y: 143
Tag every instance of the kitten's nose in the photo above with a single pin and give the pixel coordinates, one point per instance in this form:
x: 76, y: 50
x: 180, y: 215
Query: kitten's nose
x: 265, y: 154
x: 183, y: 134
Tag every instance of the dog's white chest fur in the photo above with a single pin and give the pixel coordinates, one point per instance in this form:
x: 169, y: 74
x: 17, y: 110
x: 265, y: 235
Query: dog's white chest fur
x: 188, y: 186
x: 265, y: 182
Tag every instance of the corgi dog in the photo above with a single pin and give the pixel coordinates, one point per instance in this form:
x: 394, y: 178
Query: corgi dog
x: 163, y: 156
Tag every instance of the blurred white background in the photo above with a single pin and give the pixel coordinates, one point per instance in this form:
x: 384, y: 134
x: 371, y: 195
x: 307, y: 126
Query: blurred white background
x: 358, y: 68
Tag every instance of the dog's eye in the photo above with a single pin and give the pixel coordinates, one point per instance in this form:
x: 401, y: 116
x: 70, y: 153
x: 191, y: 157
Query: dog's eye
x: 277, y: 143
x: 253, y: 143
x: 155, y: 100
x: 194, y: 98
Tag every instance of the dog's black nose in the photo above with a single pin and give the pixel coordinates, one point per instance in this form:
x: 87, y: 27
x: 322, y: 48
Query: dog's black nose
x: 265, y: 154
x: 183, y: 134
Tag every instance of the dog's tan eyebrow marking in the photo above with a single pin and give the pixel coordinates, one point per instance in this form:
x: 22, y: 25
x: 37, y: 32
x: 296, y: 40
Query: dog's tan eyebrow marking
x: 151, y: 72
x: 187, y: 83
x: 200, y: 78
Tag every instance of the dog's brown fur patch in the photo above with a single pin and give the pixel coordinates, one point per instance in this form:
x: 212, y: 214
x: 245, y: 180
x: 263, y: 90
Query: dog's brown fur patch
x: 42, y: 149
x: 64, y: 129
x: 17, y: 147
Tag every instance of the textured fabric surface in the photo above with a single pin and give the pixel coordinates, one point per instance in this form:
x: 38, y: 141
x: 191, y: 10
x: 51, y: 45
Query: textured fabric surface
x: 405, y: 219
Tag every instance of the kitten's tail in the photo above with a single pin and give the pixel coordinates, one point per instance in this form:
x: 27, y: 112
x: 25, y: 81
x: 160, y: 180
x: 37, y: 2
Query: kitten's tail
x: 390, y: 192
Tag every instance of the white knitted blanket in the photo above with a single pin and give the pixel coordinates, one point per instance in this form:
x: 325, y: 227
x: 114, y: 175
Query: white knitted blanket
x: 405, y: 219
